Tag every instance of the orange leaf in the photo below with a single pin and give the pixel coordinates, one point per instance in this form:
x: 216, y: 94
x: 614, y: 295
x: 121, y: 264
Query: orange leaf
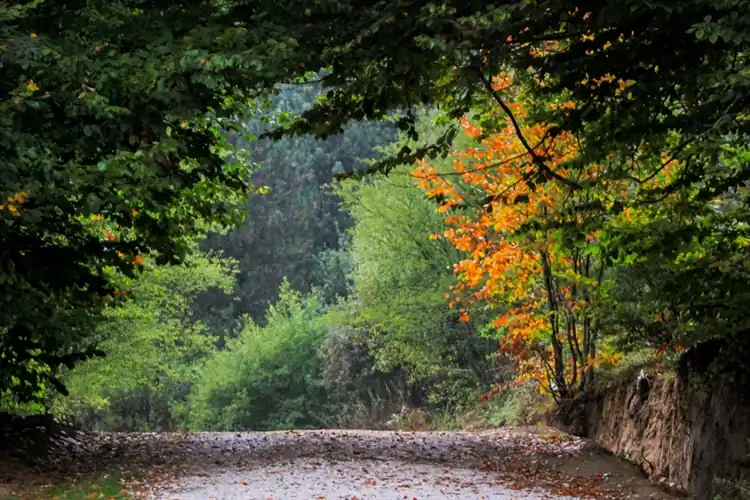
x: 501, y: 321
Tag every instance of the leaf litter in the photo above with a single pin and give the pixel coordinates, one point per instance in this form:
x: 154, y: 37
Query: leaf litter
x: 500, y: 463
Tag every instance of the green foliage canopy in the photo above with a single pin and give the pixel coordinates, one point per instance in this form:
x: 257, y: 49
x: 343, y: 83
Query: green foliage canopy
x: 111, y: 109
x: 113, y: 117
x: 653, y: 84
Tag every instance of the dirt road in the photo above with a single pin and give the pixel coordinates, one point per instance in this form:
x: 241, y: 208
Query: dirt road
x: 523, y: 463
x: 532, y: 463
x: 308, y: 479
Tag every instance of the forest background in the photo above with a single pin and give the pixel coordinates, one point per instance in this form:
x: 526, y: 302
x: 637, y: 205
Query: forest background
x: 537, y: 212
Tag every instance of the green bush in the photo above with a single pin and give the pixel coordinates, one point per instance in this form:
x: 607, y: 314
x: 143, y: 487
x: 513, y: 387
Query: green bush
x: 10, y: 404
x: 397, y: 309
x: 369, y: 396
x: 269, y: 377
x: 154, y: 347
x: 517, y: 405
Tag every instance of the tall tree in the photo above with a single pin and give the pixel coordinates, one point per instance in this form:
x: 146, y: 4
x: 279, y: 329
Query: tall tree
x: 397, y: 308
x: 544, y: 283
x: 111, y: 119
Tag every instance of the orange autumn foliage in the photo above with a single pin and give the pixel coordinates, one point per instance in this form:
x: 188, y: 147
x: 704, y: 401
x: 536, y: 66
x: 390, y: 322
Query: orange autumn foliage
x: 544, y: 287
x: 13, y: 203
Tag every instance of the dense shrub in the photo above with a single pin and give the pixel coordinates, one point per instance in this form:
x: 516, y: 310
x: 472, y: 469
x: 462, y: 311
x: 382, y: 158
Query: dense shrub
x: 153, y: 346
x: 269, y: 377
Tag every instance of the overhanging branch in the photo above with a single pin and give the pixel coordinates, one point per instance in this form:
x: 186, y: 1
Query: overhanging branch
x: 536, y: 159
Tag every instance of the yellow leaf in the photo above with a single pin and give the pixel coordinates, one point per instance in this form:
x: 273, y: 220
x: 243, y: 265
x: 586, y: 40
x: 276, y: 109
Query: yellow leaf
x: 31, y: 86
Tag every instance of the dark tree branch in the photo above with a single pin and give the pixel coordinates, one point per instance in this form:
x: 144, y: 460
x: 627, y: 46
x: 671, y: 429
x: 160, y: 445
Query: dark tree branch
x: 537, y: 160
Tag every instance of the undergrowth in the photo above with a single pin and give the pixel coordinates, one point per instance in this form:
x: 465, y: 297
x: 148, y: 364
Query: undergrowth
x: 732, y: 490
x: 516, y: 406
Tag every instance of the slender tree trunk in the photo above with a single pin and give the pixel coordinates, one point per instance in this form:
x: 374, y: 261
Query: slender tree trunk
x: 557, y: 348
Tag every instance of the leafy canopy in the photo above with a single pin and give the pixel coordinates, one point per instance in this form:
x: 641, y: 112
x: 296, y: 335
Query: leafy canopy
x: 111, y: 138
x: 657, y: 91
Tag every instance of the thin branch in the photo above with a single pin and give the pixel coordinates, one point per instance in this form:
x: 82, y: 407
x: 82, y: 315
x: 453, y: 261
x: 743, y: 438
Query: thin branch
x: 538, y: 161
x: 546, y: 38
x: 681, y: 147
x: 486, y: 167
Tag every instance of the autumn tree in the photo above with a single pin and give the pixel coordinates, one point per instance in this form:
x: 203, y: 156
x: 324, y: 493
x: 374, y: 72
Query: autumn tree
x: 542, y: 282
x: 655, y: 84
x: 538, y: 251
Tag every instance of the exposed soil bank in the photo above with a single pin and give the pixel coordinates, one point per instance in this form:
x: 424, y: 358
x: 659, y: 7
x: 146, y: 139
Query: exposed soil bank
x: 680, y: 436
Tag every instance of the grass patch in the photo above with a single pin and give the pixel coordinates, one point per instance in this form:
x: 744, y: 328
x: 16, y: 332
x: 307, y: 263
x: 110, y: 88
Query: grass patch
x: 109, y: 488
